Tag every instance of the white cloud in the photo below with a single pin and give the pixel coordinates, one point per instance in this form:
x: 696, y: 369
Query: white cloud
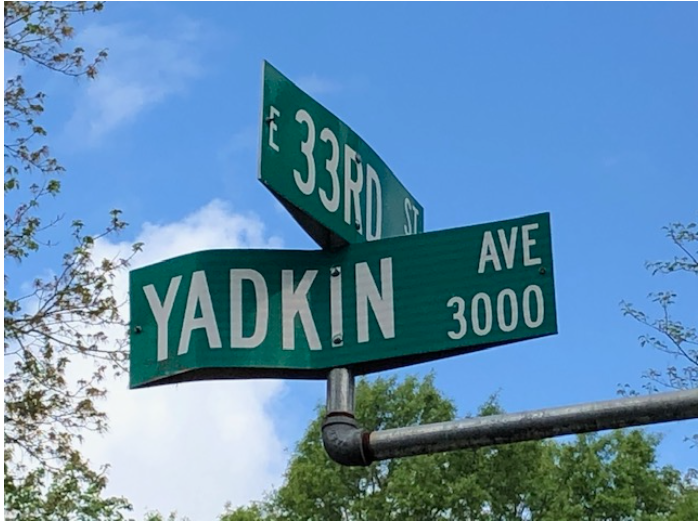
x: 142, y: 70
x: 213, y: 226
x: 193, y: 446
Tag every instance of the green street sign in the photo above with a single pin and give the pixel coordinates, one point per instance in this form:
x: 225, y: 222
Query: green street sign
x: 371, y: 306
x: 328, y: 178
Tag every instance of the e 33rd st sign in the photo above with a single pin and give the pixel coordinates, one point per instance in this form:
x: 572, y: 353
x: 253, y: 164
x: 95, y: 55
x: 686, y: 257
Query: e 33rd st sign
x: 326, y: 176
x: 369, y: 306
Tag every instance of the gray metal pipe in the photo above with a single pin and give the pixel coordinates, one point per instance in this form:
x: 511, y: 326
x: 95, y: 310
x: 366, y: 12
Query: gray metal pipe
x: 344, y: 441
x: 350, y: 445
x: 533, y: 425
x: 340, y: 391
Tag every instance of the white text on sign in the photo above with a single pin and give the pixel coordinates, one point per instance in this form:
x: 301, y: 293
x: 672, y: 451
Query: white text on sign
x: 295, y: 302
x: 489, y: 253
x: 352, y: 179
x: 510, y: 310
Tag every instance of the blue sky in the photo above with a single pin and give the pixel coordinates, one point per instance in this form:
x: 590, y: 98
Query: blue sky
x: 484, y: 111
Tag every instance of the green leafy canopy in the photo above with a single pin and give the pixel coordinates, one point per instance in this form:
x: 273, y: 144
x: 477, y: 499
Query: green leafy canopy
x: 62, y: 318
x: 593, y: 477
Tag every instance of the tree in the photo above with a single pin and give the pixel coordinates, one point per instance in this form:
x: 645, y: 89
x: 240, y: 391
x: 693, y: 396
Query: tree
x: 319, y: 489
x: 63, y: 317
x: 255, y: 511
x: 156, y: 515
x: 611, y: 476
x: 669, y: 334
x: 606, y: 477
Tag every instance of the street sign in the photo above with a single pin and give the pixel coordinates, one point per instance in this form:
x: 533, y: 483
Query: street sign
x: 329, y: 179
x: 368, y: 307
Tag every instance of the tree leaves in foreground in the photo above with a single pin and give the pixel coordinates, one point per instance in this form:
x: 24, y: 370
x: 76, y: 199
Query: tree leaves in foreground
x: 593, y: 477
x: 667, y: 333
x: 58, y: 320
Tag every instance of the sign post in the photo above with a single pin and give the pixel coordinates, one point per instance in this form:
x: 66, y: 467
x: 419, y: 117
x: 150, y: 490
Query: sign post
x: 381, y: 294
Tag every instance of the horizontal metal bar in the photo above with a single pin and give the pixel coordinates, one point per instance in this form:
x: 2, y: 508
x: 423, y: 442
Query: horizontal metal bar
x: 532, y: 425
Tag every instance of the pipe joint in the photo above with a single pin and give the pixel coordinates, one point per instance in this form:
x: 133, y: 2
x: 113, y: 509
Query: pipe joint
x: 344, y: 441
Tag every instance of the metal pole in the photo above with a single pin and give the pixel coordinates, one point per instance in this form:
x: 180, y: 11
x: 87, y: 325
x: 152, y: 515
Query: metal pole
x: 533, y: 425
x: 340, y: 391
x: 344, y: 441
x: 348, y: 444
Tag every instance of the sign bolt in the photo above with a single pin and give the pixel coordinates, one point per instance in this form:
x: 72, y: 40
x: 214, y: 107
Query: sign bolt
x: 269, y: 119
x: 358, y: 158
x: 335, y: 271
x: 541, y: 271
x: 137, y: 329
x: 357, y: 225
x: 337, y: 340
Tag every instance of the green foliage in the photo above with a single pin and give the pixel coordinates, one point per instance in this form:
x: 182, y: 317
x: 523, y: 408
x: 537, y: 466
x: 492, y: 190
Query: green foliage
x: 686, y: 506
x: 593, y: 477
x: 62, y: 317
x: 36, y: 32
x: 73, y: 492
x: 255, y: 511
x: 156, y: 515
x: 319, y: 489
x: 606, y: 477
x: 669, y: 334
